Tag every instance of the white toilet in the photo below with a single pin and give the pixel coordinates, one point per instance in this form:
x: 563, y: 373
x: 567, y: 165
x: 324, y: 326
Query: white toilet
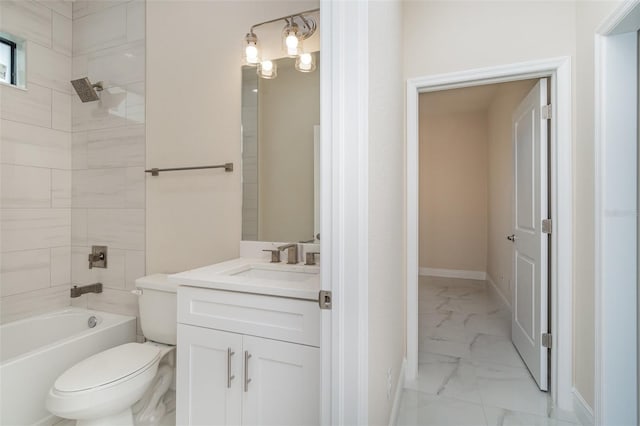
x: 102, y: 389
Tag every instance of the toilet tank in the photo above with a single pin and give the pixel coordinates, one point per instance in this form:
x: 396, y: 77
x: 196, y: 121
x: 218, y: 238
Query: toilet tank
x: 157, y: 303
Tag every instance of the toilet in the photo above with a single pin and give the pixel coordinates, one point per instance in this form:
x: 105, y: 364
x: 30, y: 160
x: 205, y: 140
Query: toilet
x: 102, y: 389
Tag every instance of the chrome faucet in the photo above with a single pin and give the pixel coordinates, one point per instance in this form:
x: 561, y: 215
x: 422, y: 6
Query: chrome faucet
x: 292, y: 256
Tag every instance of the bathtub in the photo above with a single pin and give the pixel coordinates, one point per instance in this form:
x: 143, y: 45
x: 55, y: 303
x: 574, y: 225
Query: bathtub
x: 35, y: 351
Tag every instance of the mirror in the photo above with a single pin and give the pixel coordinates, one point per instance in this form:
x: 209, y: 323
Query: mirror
x: 280, y: 155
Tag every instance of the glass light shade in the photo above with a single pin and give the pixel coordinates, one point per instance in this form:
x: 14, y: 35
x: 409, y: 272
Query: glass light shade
x: 292, y: 42
x: 267, y: 69
x: 251, y: 50
x: 306, y: 62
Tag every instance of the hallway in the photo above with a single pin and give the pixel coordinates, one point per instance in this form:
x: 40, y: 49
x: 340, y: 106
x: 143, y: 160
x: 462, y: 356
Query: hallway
x: 469, y: 372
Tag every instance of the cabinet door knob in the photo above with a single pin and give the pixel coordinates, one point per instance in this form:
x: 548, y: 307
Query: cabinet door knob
x: 230, y: 353
x: 247, y: 355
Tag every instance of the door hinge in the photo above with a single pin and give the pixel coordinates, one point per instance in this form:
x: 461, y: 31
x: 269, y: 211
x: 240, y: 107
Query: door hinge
x: 547, y: 226
x: 546, y: 112
x: 324, y: 299
x: 546, y: 340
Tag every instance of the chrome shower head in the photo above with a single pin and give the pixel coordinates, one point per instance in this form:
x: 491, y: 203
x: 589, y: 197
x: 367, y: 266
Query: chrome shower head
x: 86, y: 91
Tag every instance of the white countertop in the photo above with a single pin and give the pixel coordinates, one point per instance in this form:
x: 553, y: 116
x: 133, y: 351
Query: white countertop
x: 222, y: 276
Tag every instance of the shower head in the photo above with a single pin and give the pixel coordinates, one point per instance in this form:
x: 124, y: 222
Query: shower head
x: 87, y: 91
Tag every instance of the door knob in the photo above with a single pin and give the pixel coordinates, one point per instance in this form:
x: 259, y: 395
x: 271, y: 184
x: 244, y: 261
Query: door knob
x: 511, y: 237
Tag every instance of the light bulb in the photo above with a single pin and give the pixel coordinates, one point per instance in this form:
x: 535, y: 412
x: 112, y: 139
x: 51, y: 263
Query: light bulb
x: 267, y: 69
x: 251, y: 53
x: 292, y: 40
x: 305, y: 63
x: 305, y: 59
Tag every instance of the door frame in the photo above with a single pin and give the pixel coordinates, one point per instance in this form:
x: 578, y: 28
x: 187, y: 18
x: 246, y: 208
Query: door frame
x: 561, y: 196
x: 616, y: 143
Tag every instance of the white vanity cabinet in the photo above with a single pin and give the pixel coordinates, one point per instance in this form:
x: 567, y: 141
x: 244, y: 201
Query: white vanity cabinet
x: 247, y: 359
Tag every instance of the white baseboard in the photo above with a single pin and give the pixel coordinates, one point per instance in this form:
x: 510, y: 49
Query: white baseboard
x: 454, y: 273
x: 583, y: 412
x: 498, y: 294
x: 395, y: 408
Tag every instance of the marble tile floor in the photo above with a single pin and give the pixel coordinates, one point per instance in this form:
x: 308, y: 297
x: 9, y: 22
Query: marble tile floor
x: 469, y: 371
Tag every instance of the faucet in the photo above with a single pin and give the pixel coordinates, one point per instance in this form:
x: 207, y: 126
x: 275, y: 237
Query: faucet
x: 91, y: 288
x: 292, y: 257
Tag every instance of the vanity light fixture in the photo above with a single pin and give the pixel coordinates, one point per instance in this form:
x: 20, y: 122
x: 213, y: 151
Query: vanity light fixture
x: 298, y: 27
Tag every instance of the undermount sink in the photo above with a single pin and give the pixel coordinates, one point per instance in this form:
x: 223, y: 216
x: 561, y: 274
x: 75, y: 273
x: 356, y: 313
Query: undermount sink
x: 276, y: 273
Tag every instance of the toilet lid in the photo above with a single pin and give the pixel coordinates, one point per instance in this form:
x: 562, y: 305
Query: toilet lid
x: 107, y: 367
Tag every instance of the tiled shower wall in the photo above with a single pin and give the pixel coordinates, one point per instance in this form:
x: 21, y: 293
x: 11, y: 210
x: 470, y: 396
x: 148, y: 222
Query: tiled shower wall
x: 72, y: 174
x: 108, y: 151
x: 35, y: 138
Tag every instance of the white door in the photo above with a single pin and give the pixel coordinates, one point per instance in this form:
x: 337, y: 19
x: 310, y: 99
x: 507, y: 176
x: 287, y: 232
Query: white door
x: 530, y: 256
x: 281, y: 383
x: 208, y: 377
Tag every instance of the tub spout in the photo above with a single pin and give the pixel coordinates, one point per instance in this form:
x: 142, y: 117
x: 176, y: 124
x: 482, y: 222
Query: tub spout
x: 91, y: 288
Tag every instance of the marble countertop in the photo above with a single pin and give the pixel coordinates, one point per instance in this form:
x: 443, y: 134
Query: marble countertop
x: 257, y: 276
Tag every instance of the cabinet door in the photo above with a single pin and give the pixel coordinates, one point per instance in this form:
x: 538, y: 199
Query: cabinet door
x: 284, y: 386
x: 204, y: 395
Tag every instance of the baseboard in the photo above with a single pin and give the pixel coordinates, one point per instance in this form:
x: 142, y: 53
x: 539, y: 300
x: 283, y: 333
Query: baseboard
x: 395, y: 408
x: 583, y: 412
x: 498, y: 294
x: 454, y: 273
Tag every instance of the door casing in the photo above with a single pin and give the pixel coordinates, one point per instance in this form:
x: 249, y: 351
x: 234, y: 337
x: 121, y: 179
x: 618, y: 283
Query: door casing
x: 616, y: 212
x: 558, y: 70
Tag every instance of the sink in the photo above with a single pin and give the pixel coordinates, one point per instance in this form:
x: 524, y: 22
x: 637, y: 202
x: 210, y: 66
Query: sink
x: 273, y: 273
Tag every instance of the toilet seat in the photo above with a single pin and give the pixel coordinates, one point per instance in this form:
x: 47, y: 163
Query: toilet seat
x: 106, y: 383
x: 108, y: 368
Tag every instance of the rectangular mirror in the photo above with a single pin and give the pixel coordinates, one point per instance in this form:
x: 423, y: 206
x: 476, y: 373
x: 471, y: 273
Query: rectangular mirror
x: 280, y: 153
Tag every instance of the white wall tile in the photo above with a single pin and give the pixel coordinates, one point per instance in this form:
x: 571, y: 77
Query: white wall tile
x: 134, y: 267
x: 62, y: 40
x: 61, y: 266
x: 135, y: 179
x: 63, y: 7
x: 79, y: 150
x: 26, y: 19
x: 118, y: 147
x: 117, y: 228
x: 117, y: 66
x: 99, y: 188
x: 60, y: 188
x: 113, y: 276
x: 80, y: 302
x: 25, y: 229
x: 34, y: 146
x: 116, y: 301
x: 24, y: 271
x: 79, y: 227
x: 32, y: 106
x: 85, y: 7
x: 79, y: 66
x: 99, y: 30
x: 110, y: 111
x: 23, y: 305
x: 25, y: 187
x: 136, y: 20
x: 136, y: 103
x: 48, y: 68
x: 61, y: 111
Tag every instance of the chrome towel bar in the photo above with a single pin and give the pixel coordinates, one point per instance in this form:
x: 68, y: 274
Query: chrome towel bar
x: 228, y: 167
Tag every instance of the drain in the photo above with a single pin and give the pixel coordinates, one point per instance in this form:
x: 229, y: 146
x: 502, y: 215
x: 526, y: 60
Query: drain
x: 93, y: 321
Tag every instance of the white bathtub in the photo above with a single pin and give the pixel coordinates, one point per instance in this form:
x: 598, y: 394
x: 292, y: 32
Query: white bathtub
x: 35, y: 351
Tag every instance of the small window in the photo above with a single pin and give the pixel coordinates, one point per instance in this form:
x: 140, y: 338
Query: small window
x: 7, y: 61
